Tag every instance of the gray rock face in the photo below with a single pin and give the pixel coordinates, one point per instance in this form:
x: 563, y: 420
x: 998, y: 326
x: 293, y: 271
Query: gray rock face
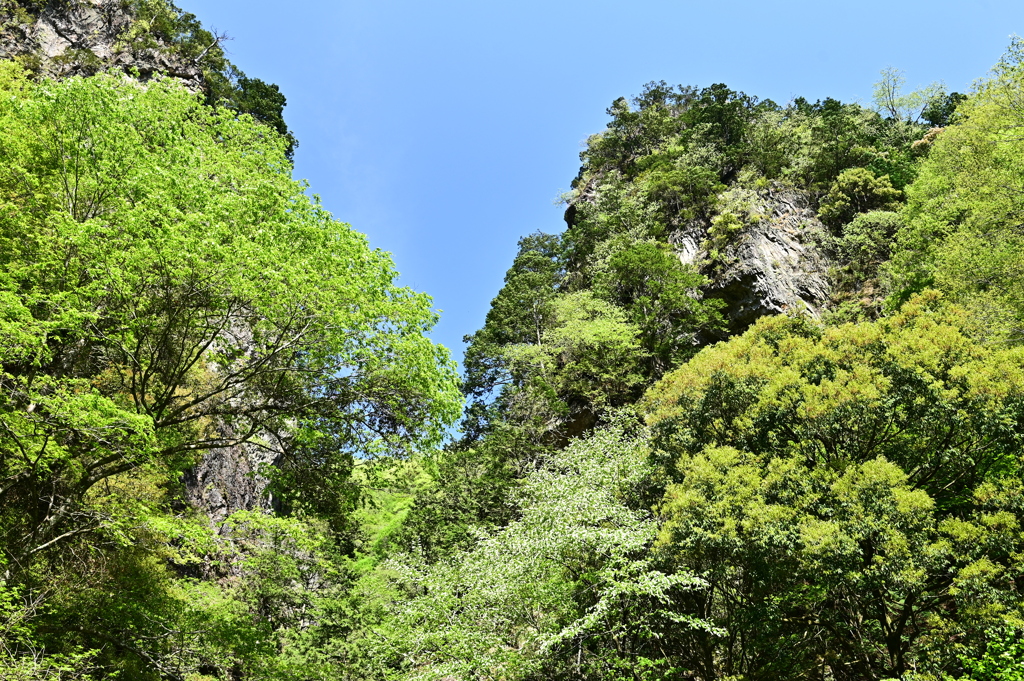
x: 228, y: 480
x: 82, y: 37
x: 771, y: 266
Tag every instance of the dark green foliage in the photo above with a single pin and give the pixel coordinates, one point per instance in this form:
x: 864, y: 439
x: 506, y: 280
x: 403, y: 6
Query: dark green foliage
x: 633, y: 134
x: 682, y: 192
x: 314, y: 478
x: 470, y: 491
x: 262, y: 101
x: 940, y: 110
x: 721, y: 116
x: 517, y: 315
x: 715, y: 116
x: 841, y: 136
x: 663, y: 299
x: 472, y: 481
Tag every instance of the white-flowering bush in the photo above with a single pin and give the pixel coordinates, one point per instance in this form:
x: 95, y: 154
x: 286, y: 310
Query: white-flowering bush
x: 571, y: 583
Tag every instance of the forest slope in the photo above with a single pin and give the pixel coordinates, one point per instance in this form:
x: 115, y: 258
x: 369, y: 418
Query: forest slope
x: 757, y: 413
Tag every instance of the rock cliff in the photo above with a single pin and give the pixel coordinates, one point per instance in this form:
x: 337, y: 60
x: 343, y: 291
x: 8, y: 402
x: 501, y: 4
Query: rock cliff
x: 772, y: 265
x: 82, y: 37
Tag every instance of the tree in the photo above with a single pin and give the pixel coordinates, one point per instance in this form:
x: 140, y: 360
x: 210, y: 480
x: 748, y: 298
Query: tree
x: 662, y: 298
x: 584, y: 362
x: 940, y: 108
x: 964, y: 211
x: 850, y: 494
x: 1002, y: 659
x: 910, y: 107
x: 857, y: 190
x: 567, y: 590
x: 167, y: 289
x: 832, y: 138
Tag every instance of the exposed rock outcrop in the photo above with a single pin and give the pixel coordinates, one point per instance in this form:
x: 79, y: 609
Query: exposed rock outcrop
x: 83, y: 37
x: 228, y: 480
x: 771, y: 266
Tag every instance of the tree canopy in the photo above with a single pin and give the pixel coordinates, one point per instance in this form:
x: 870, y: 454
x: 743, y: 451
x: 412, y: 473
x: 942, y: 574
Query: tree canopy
x: 850, y: 494
x: 169, y: 289
x: 656, y: 477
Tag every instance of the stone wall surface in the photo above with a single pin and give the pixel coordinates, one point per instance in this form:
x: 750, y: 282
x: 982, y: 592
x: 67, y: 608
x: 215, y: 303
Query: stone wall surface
x: 83, y: 37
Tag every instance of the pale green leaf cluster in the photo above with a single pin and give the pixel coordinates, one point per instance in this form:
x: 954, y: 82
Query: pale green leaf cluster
x: 568, y: 583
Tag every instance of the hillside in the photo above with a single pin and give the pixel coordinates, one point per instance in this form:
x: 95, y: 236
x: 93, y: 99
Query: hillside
x: 756, y: 413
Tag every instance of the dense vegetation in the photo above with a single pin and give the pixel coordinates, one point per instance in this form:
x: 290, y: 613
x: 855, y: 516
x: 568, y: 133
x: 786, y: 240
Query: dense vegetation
x: 169, y: 289
x: 646, y: 484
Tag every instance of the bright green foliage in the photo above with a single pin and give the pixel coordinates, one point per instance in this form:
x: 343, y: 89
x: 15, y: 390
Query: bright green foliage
x: 806, y: 502
x: 167, y: 288
x: 1003, y: 659
x: 160, y: 27
x: 852, y: 495
x: 586, y: 321
x: 567, y: 590
x: 964, y: 211
x: 867, y: 241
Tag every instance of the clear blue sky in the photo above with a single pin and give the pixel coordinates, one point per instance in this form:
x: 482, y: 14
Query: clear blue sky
x: 445, y: 130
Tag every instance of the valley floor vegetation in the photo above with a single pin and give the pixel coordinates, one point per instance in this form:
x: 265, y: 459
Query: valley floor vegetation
x: 645, y: 485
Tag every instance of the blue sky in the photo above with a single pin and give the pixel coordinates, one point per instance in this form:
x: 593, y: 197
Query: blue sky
x: 445, y: 131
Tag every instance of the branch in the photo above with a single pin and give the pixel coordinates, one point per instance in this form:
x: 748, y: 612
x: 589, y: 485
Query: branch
x: 217, y: 40
x: 67, y: 534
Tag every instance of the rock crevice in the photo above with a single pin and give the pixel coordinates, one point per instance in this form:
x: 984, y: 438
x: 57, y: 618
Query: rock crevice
x: 773, y: 265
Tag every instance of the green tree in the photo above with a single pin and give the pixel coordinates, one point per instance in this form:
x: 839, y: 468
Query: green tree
x: 940, y: 109
x: 167, y: 288
x: 850, y: 494
x: 1002, y: 659
x: 569, y: 589
x: 585, y: 362
x: 906, y: 106
x: 472, y: 480
x: 833, y: 137
x: 662, y: 298
x: 857, y: 191
x: 964, y: 210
